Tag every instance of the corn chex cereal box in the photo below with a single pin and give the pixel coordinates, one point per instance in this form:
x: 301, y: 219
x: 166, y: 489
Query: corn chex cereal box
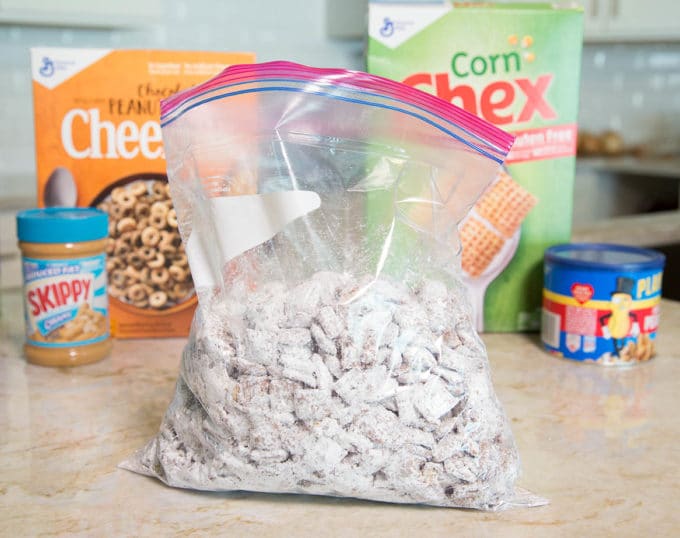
x: 99, y: 144
x: 517, y: 66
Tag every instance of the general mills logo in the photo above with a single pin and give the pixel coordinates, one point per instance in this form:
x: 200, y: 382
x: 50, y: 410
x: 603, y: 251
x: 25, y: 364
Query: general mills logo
x: 47, y: 67
x: 387, y: 29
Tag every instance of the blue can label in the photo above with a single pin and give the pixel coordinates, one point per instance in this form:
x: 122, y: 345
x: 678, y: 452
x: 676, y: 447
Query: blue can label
x: 599, y: 315
x: 65, y: 301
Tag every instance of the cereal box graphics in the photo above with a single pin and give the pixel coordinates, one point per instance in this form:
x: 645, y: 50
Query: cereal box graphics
x: 517, y: 66
x: 99, y: 144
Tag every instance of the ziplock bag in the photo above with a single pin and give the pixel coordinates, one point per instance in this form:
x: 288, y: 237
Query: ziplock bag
x: 333, y: 350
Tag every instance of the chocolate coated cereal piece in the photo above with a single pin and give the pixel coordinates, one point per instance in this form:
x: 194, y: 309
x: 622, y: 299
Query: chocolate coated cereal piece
x: 434, y: 399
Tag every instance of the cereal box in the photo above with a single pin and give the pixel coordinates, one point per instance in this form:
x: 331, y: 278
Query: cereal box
x: 98, y: 143
x: 517, y: 66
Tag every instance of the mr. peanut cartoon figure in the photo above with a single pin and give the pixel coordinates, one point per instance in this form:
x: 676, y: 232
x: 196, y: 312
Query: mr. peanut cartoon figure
x: 620, y: 322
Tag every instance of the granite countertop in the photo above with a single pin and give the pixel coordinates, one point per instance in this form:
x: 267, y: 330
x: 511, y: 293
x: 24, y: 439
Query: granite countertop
x: 600, y: 443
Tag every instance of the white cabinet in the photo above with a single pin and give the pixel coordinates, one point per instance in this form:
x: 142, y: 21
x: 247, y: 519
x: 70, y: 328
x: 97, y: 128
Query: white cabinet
x: 81, y: 13
x: 594, y: 20
x: 659, y: 19
x: 631, y: 20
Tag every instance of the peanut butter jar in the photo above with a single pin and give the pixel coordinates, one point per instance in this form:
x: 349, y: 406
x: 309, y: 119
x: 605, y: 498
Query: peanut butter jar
x: 65, y: 297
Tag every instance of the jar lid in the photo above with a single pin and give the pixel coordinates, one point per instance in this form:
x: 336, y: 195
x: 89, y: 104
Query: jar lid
x: 605, y: 256
x: 62, y: 225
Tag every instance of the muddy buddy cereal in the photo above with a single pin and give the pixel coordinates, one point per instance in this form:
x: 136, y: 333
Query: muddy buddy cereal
x: 333, y: 351
x: 343, y: 386
x: 146, y: 262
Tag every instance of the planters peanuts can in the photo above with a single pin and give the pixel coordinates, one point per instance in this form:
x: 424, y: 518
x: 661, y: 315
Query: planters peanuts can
x: 601, y: 302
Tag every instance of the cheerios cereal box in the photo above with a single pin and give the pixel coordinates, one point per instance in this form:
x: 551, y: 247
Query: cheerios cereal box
x: 98, y: 143
x: 517, y: 66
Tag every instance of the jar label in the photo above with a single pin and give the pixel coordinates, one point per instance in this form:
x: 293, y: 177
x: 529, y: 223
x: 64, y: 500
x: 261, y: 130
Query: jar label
x: 65, y: 301
x: 607, y: 316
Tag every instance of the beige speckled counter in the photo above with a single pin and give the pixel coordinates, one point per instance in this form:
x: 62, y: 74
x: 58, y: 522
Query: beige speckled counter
x: 601, y: 444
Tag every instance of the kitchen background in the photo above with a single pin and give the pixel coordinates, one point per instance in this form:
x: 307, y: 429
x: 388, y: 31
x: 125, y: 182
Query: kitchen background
x: 630, y: 85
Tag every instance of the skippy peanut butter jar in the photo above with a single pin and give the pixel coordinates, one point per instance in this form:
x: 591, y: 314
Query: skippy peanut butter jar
x: 65, y: 299
x: 517, y: 66
x: 98, y: 144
